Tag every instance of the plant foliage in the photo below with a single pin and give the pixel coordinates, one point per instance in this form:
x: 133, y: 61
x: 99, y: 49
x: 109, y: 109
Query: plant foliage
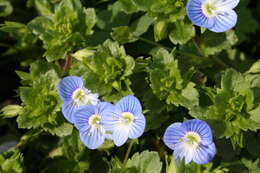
x: 146, y: 48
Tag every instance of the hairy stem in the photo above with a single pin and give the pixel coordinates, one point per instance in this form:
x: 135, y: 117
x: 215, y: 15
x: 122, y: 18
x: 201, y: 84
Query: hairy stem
x: 217, y: 60
x: 130, y: 146
x: 153, y: 43
x: 68, y: 63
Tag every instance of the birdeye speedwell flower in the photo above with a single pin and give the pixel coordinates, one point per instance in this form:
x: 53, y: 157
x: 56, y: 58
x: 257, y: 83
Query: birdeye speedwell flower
x: 126, y: 120
x: 216, y: 15
x: 73, y: 95
x: 88, y: 120
x: 191, y: 140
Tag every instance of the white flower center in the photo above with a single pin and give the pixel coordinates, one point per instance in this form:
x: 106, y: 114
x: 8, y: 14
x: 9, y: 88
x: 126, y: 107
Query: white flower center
x: 94, y: 120
x: 127, y: 118
x: 192, y: 139
x: 212, y: 8
x: 209, y: 8
x: 83, y: 97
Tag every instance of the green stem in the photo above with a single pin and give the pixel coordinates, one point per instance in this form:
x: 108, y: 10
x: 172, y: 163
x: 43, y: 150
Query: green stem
x: 167, y: 48
x: 217, y: 60
x: 67, y: 64
x: 159, y: 45
x: 197, y: 46
x: 166, y: 160
x: 128, y: 152
x: 190, y: 54
x: 152, y: 43
x: 28, y: 137
x: 220, y: 62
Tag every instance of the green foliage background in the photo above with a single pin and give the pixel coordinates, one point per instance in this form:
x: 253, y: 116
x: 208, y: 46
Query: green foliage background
x: 148, y: 48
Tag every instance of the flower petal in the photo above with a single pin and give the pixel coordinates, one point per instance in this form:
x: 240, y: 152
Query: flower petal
x: 92, y: 99
x: 111, y: 118
x: 227, y: 3
x: 200, y: 127
x: 81, y: 117
x: 109, y: 136
x: 204, y: 153
x: 129, y: 104
x: 92, y: 138
x: 102, y: 107
x: 183, y: 150
x: 224, y: 21
x: 68, y: 85
x: 120, y: 135
x: 173, y: 134
x: 195, y: 14
x: 68, y: 110
x: 137, y: 128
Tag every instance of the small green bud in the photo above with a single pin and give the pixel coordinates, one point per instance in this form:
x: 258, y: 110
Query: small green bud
x: 10, y: 111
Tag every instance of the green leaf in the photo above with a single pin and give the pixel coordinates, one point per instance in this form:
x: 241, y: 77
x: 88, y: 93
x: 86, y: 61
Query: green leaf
x: 43, y: 7
x: 90, y: 20
x: 128, y: 6
x: 169, y: 83
x: 182, y: 33
x: 232, y: 80
x: 172, y: 167
x: 141, y: 25
x: 112, y: 17
x: 165, y: 12
x: 5, y: 8
x: 253, y: 166
x: 255, y: 114
x: 42, y: 27
x: 69, y: 27
x: 233, y: 109
x: 67, y: 9
x: 125, y: 34
x: 56, y: 52
x: 83, y: 53
x: 146, y: 162
x: 21, y: 33
x: 213, y: 43
x: 12, y: 26
x: 107, y: 73
x: 73, y: 148
x: 143, y: 5
x: 40, y: 100
x: 60, y: 129
x: 154, y: 108
x: 181, y: 167
x: 160, y: 30
x: 204, y: 168
x: 11, y: 161
x: 124, y: 170
x: 190, y: 95
x: 255, y: 68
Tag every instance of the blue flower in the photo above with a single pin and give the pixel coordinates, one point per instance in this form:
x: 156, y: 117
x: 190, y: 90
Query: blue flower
x: 216, y: 15
x: 191, y: 140
x: 87, y: 119
x: 125, y: 120
x: 73, y: 95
